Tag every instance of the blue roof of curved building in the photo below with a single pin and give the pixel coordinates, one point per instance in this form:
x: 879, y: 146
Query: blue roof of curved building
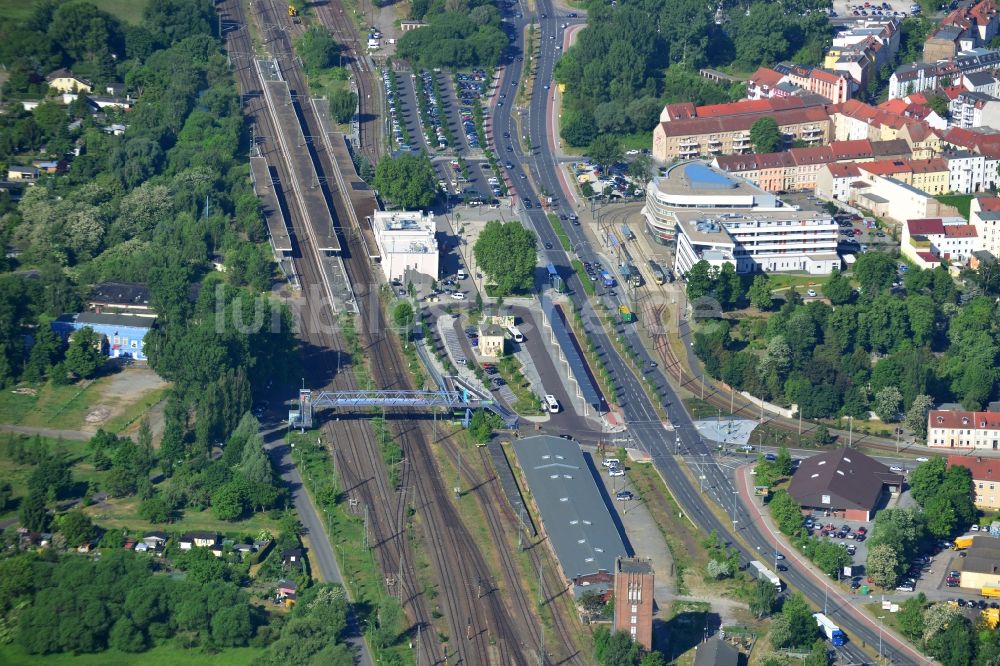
x: 703, y: 177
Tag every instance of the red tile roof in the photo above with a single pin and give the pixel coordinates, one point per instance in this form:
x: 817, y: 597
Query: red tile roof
x: 929, y: 257
x: 894, y: 105
x: 736, y: 163
x: 844, y: 170
x: 680, y: 111
x: 886, y: 167
x: 983, y: 469
x: 765, y: 76
x: 856, y: 149
x: 743, y: 122
x: 946, y: 418
x: 748, y: 106
x: 774, y: 160
x: 989, y: 203
x: 918, y: 98
x: 923, y: 227
x: 929, y: 165
x: 960, y: 231
x: 811, y: 155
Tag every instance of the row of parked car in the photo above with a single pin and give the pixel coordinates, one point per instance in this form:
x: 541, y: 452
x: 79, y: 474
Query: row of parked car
x: 395, y: 122
x: 434, y: 113
x: 469, y: 88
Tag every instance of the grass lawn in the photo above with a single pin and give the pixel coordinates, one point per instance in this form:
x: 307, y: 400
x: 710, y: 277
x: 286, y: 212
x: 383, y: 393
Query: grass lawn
x: 66, y: 407
x: 129, y: 11
x: 784, y: 281
x: 163, y: 655
x: 124, y: 513
x: 560, y: 230
x: 959, y: 201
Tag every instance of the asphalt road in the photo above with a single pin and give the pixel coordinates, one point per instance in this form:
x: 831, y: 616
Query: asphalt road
x: 644, y: 423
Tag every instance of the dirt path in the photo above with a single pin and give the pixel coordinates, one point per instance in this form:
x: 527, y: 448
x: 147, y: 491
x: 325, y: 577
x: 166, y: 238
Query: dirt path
x: 53, y: 433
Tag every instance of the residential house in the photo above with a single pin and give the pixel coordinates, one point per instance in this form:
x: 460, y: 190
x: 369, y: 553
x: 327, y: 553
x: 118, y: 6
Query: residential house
x: 974, y: 109
x: 121, y: 298
x: 291, y: 557
x: 287, y: 589
x: 917, y: 77
x: 967, y: 172
x: 922, y: 140
x: 716, y: 652
x: 834, y: 180
x: 155, y: 541
x: 50, y: 166
x: 199, y: 540
x: 984, y: 214
x: 491, y: 340
x: 950, y: 429
x: 20, y: 173
x: 985, y: 479
x: 979, y: 22
x: 928, y: 242
x: 66, y: 81
x: 99, y: 102
x: 930, y: 175
x: 844, y: 483
x: 981, y: 82
x: 122, y: 335
x: 946, y: 42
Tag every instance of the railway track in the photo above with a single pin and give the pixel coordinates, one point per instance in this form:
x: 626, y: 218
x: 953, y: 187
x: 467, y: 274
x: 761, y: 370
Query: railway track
x: 366, y: 77
x: 483, y: 622
x: 653, y: 315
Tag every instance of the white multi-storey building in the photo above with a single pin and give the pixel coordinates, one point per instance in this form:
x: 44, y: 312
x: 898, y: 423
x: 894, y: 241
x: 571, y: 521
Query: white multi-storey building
x: 722, y: 219
x: 407, y: 244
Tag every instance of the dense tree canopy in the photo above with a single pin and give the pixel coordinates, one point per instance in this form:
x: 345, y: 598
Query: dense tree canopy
x: 507, y: 253
x: 407, y: 181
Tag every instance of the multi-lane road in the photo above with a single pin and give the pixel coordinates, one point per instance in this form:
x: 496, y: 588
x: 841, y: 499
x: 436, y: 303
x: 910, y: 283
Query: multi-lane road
x: 644, y: 424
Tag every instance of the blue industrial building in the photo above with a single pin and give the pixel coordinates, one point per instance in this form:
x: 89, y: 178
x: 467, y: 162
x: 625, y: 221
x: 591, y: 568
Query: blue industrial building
x: 122, y: 335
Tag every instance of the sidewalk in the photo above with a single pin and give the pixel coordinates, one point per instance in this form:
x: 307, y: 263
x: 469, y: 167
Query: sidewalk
x: 754, y: 506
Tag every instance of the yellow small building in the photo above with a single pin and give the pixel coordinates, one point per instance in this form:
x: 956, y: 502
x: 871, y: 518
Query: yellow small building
x: 491, y: 341
x: 66, y: 81
x: 981, y: 566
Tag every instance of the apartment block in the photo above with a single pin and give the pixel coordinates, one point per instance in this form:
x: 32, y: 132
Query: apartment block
x: 686, y: 131
x: 928, y: 242
x: 985, y: 479
x: 919, y: 76
x: 974, y: 109
x: 950, y: 429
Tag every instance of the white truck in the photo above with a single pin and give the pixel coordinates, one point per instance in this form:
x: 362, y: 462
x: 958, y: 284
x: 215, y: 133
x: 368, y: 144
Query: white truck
x: 829, y: 629
x: 763, y: 573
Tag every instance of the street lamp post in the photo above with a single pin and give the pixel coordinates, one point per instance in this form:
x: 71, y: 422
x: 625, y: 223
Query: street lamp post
x: 880, y: 618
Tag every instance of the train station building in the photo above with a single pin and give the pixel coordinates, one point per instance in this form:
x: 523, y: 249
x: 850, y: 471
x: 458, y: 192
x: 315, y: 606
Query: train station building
x: 406, y: 241
x: 575, y: 511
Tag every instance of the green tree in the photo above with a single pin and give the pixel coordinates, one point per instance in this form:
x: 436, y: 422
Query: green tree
x: 765, y: 135
x: 507, y: 253
x: 700, y: 280
x: 801, y: 625
x: 229, y: 502
x: 317, y: 49
x: 916, y: 415
x: 32, y: 513
x: 911, y: 617
x: 605, y: 150
x: 760, y: 293
x: 763, y: 597
x: 927, y: 479
x: 155, y: 510
x: 883, y: 565
x: 875, y: 272
x: 126, y: 636
x: 408, y: 181
x: 728, y: 286
x: 787, y: 513
x: 888, y: 402
x: 403, y: 318
x: 84, y: 357
x: 938, y: 104
x: 343, y: 104
x: 77, y: 527
x: 838, y: 288
x: 255, y: 466
x: 653, y: 658
x: 954, y: 645
x: 818, y: 656
x: 6, y: 494
x: 620, y: 650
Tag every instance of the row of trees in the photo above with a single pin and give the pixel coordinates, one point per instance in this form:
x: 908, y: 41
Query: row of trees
x: 459, y: 34
x: 946, y: 634
x: 926, y: 348
x: 632, y: 54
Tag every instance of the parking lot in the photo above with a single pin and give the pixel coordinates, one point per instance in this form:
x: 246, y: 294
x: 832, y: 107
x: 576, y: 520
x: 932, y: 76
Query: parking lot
x: 868, y: 10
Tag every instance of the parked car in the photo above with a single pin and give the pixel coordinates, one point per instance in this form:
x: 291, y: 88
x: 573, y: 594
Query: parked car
x: 624, y: 495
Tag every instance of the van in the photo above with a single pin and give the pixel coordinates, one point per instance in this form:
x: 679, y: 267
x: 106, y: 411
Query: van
x: 611, y: 462
x: 461, y: 274
x: 552, y: 404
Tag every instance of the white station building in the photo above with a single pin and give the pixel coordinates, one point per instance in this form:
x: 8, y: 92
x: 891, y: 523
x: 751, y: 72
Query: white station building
x: 407, y: 244
x: 719, y: 218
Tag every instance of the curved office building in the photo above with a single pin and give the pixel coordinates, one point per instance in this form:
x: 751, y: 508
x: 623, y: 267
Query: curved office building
x: 714, y: 216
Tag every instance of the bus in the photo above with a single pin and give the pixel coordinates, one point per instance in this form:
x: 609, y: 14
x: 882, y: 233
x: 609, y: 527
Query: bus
x: 554, y: 280
x: 606, y: 279
x: 625, y: 315
x: 627, y: 233
x: 635, y: 278
x: 515, y: 334
x: 552, y: 404
x: 658, y: 275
